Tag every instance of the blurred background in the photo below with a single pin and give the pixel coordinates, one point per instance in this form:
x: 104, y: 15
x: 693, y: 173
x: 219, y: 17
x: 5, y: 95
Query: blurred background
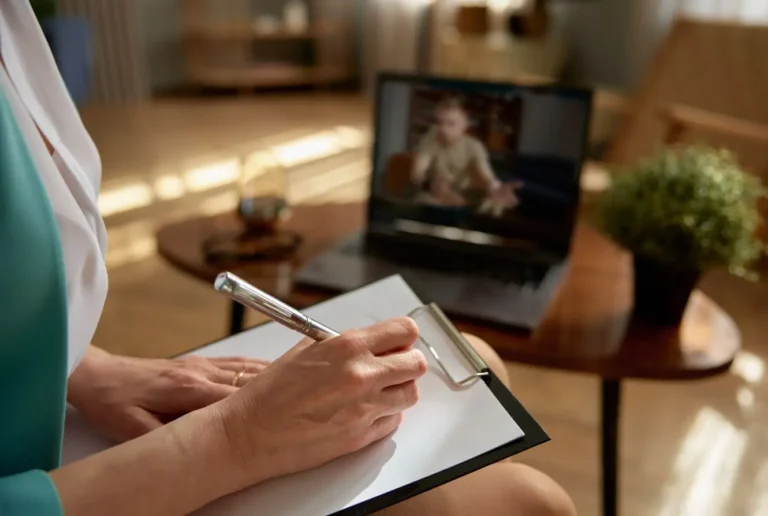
x: 195, y: 105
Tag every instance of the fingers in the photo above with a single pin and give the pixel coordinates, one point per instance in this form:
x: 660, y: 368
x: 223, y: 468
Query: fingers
x: 382, y: 428
x: 401, y: 367
x: 237, y: 364
x: 394, y: 400
x: 230, y: 377
x: 208, y: 393
x: 388, y: 336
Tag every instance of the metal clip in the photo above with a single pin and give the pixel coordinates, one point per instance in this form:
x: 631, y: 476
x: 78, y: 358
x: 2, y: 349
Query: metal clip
x: 477, y: 363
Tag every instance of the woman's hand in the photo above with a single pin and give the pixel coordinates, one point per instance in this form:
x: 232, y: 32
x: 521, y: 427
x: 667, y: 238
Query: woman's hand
x: 322, y: 400
x: 126, y: 397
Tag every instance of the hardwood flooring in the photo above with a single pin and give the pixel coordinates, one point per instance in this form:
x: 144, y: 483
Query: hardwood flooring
x: 695, y: 449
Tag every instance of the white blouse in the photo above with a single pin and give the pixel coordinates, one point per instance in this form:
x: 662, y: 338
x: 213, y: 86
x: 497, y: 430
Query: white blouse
x: 71, y: 175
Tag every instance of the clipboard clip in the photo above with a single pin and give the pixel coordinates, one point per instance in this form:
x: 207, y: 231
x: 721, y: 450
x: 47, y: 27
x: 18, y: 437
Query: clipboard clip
x: 458, y: 340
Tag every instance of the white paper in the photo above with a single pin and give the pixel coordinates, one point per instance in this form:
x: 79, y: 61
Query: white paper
x: 448, y: 426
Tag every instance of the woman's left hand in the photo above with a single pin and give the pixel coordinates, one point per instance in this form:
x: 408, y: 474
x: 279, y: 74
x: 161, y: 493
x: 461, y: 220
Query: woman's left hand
x: 126, y: 397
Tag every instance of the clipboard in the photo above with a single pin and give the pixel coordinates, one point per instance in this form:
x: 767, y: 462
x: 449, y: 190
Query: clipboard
x: 339, y: 488
x: 534, y: 434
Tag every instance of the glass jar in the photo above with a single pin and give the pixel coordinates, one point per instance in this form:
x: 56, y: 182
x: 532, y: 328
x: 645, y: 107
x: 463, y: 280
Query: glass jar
x: 262, y: 191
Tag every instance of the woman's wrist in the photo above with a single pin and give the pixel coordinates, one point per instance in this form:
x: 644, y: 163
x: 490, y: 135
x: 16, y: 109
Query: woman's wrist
x: 236, y: 449
x: 177, y: 469
x: 80, y: 381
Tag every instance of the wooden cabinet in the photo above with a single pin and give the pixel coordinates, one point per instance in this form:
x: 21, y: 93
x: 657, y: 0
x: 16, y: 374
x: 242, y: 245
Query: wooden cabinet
x: 231, y: 43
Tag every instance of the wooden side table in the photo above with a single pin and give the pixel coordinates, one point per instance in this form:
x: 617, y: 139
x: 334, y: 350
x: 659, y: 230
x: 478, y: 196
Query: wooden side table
x: 588, y: 329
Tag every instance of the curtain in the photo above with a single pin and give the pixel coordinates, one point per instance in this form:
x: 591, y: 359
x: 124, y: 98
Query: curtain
x: 392, y: 37
x: 119, y: 67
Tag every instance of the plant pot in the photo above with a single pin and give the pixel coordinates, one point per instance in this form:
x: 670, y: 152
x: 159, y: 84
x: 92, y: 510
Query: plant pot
x: 70, y: 40
x: 662, y: 291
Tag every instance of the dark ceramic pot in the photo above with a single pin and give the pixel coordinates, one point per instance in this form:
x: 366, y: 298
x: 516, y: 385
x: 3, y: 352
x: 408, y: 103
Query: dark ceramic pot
x: 662, y: 291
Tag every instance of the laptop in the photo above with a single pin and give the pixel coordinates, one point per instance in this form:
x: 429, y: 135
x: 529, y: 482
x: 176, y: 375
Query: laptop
x: 474, y: 196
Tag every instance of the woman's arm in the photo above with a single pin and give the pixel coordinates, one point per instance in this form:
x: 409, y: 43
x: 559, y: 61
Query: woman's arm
x: 317, y: 402
x: 172, y: 470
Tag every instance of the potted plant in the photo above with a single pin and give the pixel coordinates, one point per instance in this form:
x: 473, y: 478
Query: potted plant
x: 680, y: 213
x: 70, y: 40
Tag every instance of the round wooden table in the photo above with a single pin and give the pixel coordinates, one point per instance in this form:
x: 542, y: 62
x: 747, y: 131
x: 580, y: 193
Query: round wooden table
x: 589, y: 327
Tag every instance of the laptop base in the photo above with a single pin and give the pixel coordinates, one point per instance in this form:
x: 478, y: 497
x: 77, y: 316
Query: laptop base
x: 480, y: 297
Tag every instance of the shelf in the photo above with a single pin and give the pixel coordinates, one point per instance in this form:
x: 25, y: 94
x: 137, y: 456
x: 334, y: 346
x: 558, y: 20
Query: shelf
x: 266, y: 75
x: 227, y: 45
x: 247, y: 32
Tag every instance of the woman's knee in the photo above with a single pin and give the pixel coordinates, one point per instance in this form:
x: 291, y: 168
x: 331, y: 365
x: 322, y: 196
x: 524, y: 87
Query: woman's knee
x: 533, y: 493
x: 494, y: 361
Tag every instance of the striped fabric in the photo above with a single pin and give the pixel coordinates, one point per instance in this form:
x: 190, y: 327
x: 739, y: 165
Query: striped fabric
x: 120, y: 71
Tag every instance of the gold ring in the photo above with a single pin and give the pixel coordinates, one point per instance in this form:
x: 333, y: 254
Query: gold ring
x: 237, y: 377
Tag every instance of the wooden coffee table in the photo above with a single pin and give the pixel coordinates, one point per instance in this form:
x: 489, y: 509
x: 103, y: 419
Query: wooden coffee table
x: 588, y: 329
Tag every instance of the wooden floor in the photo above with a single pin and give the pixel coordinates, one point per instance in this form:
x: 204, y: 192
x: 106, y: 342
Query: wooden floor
x: 698, y: 449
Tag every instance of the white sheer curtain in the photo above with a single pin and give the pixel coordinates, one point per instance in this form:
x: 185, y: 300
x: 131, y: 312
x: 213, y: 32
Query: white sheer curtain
x: 392, y: 32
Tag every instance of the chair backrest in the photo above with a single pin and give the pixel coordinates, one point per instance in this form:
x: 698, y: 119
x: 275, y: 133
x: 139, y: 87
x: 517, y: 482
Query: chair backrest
x: 708, y: 83
x: 748, y: 140
x: 719, y: 67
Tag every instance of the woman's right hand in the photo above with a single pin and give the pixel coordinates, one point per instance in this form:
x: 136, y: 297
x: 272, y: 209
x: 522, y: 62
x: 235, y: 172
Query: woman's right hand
x: 322, y: 400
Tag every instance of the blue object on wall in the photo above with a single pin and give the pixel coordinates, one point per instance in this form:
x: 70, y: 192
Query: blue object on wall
x: 70, y: 40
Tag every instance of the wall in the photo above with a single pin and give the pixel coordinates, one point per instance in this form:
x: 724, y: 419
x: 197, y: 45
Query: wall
x: 597, y: 38
x: 391, y: 37
x: 393, y: 122
x: 552, y: 126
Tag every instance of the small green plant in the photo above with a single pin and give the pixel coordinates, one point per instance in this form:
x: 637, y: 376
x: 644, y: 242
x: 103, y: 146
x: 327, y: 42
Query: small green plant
x: 44, y: 8
x: 692, y: 208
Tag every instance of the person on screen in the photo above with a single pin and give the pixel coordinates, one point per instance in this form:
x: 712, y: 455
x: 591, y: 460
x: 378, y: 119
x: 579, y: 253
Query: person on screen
x: 453, y: 166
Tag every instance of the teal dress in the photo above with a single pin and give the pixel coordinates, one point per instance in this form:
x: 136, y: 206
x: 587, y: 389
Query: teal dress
x: 33, y: 332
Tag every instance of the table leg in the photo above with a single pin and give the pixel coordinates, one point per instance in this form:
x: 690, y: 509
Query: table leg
x: 610, y: 400
x: 236, y: 318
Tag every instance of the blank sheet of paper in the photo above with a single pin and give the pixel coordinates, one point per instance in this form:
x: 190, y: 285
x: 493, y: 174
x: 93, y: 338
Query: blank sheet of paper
x: 447, y: 427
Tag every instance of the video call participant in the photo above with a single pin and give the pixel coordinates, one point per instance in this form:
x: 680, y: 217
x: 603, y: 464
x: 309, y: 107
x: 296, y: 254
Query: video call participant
x: 452, y: 166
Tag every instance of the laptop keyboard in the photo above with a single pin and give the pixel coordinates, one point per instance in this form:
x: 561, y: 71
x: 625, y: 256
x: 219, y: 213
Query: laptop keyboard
x: 504, y: 269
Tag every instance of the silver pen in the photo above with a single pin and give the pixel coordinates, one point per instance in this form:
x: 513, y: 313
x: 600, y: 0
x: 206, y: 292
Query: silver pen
x: 246, y: 294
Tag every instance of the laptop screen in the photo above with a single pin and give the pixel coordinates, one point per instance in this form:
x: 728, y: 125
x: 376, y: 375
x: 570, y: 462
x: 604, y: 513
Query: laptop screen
x: 478, y: 161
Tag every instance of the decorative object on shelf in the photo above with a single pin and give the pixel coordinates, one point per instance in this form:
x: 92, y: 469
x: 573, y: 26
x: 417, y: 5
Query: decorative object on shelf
x: 70, y: 40
x: 472, y: 19
x: 296, y: 16
x: 532, y: 23
x: 680, y: 213
x: 266, y: 24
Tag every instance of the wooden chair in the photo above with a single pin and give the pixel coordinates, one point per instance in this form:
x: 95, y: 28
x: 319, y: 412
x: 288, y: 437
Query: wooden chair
x: 711, y: 66
x: 708, y: 83
x: 748, y: 139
